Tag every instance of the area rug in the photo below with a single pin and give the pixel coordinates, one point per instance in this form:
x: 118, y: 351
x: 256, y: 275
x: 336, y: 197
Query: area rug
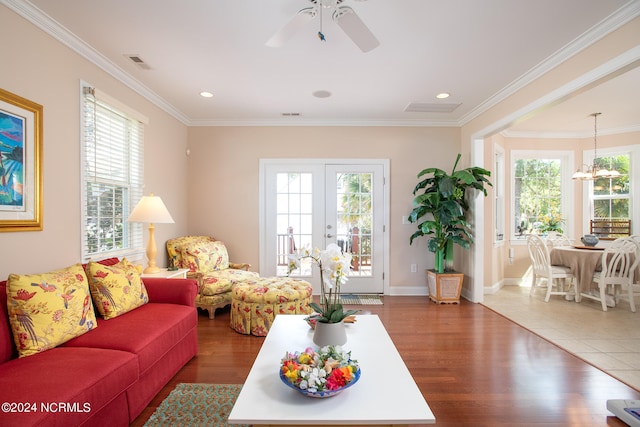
x: 196, y: 405
x: 360, y: 299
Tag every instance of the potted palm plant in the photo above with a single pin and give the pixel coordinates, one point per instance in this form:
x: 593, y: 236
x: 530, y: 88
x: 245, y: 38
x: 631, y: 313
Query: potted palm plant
x: 440, y: 211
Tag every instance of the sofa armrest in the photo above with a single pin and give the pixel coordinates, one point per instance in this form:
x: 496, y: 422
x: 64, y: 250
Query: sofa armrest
x: 172, y: 291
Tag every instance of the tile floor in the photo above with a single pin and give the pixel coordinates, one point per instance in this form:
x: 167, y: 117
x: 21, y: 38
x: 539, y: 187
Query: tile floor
x: 608, y: 340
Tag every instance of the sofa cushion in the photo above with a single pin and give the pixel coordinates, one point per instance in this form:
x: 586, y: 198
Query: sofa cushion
x: 206, y: 256
x: 88, y: 379
x: 141, y: 332
x: 116, y: 289
x: 48, y: 309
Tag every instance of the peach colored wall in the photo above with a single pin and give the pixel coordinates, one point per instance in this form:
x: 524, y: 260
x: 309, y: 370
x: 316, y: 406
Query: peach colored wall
x: 44, y: 71
x: 224, y: 177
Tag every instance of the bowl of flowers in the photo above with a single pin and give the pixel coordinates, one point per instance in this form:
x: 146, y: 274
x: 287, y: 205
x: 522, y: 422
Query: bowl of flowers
x: 319, y: 373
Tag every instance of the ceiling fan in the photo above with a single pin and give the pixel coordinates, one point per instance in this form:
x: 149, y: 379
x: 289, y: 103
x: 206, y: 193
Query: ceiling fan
x: 344, y: 16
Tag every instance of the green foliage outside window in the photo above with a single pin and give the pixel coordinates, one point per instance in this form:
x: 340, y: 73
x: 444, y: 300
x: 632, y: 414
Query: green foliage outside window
x: 356, y: 200
x: 537, y: 195
x: 611, y: 195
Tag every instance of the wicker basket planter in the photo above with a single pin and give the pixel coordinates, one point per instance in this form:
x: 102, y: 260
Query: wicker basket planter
x: 444, y: 288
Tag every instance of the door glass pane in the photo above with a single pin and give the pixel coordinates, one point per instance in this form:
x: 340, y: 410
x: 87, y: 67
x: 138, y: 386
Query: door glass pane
x: 354, y: 218
x: 293, y: 218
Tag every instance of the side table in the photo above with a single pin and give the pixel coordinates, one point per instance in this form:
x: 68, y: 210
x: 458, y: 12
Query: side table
x: 180, y: 273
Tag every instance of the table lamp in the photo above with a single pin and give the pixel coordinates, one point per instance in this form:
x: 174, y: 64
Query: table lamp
x: 151, y: 209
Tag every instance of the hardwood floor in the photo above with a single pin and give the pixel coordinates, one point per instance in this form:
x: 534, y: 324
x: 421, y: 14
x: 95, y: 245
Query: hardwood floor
x: 473, y: 366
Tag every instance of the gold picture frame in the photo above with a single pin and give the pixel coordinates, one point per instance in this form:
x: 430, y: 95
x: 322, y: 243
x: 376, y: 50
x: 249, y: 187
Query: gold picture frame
x: 20, y: 163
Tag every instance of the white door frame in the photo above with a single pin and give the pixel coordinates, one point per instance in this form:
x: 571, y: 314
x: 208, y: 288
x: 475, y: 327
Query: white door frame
x: 263, y: 163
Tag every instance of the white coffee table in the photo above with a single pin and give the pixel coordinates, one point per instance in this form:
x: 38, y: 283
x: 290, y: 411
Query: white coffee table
x: 386, y: 394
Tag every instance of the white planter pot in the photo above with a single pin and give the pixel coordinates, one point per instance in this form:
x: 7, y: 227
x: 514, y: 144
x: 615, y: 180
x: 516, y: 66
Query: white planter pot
x: 329, y: 334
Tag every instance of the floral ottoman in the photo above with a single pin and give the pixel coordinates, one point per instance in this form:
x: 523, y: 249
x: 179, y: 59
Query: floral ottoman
x: 255, y: 303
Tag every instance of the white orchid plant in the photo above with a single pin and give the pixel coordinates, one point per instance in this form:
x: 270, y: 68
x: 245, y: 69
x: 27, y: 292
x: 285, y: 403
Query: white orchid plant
x: 334, y: 266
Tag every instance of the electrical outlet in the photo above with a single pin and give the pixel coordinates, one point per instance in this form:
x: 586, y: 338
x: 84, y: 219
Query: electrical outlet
x: 414, y: 268
x: 405, y: 219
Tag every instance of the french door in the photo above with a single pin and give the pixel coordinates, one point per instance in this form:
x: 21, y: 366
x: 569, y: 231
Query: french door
x: 312, y: 203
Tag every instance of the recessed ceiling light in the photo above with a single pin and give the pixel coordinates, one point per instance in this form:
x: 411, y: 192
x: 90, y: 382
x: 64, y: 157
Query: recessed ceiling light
x: 322, y: 94
x: 443, y: 95
x: 206, y: 94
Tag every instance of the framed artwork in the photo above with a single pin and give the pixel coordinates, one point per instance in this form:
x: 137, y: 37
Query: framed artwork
x: 20, y: 163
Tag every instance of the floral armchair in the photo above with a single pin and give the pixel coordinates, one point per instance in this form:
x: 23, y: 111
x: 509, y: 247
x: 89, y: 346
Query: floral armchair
x: 208, y: 262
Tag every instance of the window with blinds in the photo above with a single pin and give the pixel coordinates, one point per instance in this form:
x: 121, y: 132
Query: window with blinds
x: 112, y: 177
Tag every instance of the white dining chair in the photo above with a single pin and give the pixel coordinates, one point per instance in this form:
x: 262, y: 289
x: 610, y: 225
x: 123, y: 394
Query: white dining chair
x: 619, y: 263
x: 634, y: 289
x: 554, y: 239
x: 555, y: 275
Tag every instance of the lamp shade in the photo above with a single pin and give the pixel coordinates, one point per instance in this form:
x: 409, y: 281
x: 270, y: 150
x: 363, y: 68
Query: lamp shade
x: 150, y: 209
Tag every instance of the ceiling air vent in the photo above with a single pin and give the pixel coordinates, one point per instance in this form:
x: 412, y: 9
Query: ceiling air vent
x: 138, y: 61
x: 425, y: 107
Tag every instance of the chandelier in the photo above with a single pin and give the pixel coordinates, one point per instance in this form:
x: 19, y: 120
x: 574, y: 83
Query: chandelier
x: 595, y: 171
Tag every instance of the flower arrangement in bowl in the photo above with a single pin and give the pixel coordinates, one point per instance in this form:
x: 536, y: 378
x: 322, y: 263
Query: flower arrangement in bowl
x: 334, y: 266
x: 320, y: 373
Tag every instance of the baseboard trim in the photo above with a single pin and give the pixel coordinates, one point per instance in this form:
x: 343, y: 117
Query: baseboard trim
x: 408, y: 291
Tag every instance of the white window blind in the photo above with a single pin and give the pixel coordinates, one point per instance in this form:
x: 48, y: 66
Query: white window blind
x: 112, y: 178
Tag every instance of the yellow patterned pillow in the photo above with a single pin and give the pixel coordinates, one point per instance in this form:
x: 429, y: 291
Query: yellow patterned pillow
x: 206, y: 257
x: 46, y: 310
x: 116, y: 289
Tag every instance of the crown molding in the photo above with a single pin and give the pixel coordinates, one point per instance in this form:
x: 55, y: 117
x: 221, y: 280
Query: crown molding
x: 325, y: 122
x: 37, y: 17
x: 614, y: 21
x: 569, y: 135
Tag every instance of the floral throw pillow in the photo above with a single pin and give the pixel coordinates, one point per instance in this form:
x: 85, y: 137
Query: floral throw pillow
x: 116, y: 289
x: 206, y: 257
x: 46, y: 310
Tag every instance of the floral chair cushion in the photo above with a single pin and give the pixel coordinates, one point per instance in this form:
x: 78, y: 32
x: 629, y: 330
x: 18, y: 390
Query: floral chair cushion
x: 218, y: 282
x: 175, y: 247
x: 208, y: 262
x: 206, y: 257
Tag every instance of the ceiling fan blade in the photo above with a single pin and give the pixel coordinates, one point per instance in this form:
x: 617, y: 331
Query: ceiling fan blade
x: 292, y: 27
x: 353, y: 26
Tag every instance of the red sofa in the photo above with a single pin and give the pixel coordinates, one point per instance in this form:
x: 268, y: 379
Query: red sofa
x: 107, y: 376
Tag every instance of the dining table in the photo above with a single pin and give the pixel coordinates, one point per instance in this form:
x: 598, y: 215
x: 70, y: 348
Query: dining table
x: 583, y: 261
